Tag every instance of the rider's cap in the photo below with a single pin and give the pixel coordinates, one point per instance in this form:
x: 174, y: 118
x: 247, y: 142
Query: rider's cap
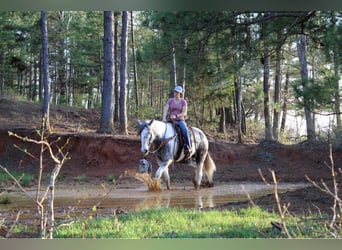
x: 178, y: 89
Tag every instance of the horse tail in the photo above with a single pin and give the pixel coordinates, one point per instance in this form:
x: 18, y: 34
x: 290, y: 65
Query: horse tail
x: 209, y: 168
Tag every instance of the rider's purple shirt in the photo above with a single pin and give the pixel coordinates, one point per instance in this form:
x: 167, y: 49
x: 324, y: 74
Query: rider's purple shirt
x: 176, y: 107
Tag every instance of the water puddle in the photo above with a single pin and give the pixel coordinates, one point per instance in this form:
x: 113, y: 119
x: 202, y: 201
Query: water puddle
x: 99, y: 200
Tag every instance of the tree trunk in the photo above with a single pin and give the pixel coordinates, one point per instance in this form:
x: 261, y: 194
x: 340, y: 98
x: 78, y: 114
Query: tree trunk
x: 337, y: 93
x: 182, y: 66
x: 61, y: 62
x: 277, y: 84
x: 46, y: 81
x: 107, y: 121
x: 70, y: 86
x: 243, y: 119
x: 284, y: 106
x: 237, y: 85
x: 150, y: 86
x: 266, y: 89
x: 123, y: 75
x: 301, y: 49
x: 222, y: 124
x: 1, y: 74
x: 53, y: 177
x: 173, y: 71
x: 116, y: 68
x: 135, y: 73
x: 35, y: 80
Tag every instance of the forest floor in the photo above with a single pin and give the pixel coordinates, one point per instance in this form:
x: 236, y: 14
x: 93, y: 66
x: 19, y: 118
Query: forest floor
x: 98, y: 156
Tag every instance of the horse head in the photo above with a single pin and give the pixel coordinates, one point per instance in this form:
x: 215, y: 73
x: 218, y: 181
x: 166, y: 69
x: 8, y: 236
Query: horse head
x: 146, y: 135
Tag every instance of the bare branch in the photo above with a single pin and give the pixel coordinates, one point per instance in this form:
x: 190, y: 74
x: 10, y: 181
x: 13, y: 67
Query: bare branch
x: 248, y: 196
x: 263, y: 177
x: 13, y: 225
x: 280, y: 210
x: 17, y: 182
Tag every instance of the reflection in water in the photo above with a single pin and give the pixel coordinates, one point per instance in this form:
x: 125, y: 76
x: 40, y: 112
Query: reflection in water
x: 186, y: 196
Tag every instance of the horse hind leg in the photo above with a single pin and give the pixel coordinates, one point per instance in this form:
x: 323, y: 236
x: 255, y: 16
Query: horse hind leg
x: 198, y: 175
x: 209, y: 169
x: 206, y: 180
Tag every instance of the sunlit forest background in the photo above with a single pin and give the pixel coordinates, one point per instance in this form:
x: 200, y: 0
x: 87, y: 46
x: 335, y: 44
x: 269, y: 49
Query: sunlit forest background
x: 270, y: 75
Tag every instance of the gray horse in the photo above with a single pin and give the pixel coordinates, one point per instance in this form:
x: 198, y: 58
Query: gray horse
x: 162, y: 139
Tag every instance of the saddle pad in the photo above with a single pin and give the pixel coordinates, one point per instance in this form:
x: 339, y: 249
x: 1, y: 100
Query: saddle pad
x: 197, y: 136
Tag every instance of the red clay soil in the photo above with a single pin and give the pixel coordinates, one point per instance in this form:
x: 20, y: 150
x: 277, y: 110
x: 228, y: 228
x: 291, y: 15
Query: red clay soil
x: 98, y: 156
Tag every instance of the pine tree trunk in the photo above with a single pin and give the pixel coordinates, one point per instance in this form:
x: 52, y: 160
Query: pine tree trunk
x: 107, y: 121
x: 222, y: 124
x: 277, y: 84
x: 135, y: 73
x: 266, y: 89
x: 237, y: 84
x: 301, y: 49
x: 123, y: 76
x: 173, y: 71
x: 337, y: 94
x: 284, y: 106
x: 182, y: 67
x: 116, y: 69
x: 46, y: 81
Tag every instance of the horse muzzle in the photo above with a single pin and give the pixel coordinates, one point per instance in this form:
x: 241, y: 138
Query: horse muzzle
x: 144, y: 151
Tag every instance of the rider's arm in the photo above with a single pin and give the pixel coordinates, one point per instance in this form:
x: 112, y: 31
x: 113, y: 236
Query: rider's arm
x: 184, y: 112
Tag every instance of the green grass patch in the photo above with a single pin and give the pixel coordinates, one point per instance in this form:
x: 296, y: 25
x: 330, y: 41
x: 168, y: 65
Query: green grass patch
x: 25, y: 179
x: 184, y: 223
x: 111, y: 178
x: 81, y: 178
x: 4, y: 200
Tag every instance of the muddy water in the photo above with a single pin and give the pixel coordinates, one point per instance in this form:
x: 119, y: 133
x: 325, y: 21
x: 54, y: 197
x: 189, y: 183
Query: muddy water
x: 99, y: 200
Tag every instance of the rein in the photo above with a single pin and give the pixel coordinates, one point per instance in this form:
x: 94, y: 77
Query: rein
x: 165, y: 141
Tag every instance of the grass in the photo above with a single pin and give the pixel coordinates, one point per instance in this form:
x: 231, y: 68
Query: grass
x: 4, y: 199
x: 184, y: 223
x: 25, y: 179
x: 111, y: 178
x: 81, y: 178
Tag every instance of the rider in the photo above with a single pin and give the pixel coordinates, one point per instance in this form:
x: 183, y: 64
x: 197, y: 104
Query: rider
x: 178, y: 109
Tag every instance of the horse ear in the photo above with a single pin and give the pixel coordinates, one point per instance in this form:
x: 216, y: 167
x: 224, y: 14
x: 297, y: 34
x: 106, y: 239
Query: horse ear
x: 141, y: 127
x: 149, y: 124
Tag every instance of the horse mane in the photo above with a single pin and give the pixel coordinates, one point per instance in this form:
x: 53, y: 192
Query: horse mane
x: 142, y: 125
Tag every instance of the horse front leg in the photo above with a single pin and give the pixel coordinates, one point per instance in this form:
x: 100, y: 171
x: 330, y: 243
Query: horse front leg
x: 166, y: 178
x: 163, y: 170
